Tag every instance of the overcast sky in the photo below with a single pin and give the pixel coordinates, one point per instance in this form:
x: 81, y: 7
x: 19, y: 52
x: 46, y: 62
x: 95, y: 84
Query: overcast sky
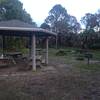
x: 38, y: 9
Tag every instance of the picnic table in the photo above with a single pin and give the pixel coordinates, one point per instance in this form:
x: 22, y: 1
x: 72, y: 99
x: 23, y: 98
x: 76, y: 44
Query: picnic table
x: 14, y: 54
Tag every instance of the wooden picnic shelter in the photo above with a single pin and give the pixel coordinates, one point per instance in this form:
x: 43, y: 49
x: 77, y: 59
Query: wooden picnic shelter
x: 19, y: 28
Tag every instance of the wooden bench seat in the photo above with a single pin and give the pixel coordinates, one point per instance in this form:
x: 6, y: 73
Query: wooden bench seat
x: 4, y: 62
x: 38, y: 61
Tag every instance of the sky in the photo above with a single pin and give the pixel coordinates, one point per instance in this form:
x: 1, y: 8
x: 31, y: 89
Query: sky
x: 38, y: 9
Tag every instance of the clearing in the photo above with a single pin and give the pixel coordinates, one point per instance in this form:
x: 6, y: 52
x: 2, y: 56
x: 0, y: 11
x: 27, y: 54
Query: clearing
x: 63, y: 79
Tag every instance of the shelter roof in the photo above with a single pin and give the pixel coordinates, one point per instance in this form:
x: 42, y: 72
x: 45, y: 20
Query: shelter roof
x: 16, y: 27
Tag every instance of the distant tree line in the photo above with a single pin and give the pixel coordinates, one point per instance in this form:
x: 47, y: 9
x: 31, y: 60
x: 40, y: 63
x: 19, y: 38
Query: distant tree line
x: 66, y: 26
x: 90, y: 37
x: 69, y: 31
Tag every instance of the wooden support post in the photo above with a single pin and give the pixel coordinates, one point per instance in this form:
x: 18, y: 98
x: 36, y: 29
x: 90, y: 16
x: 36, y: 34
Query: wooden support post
x: 46, y: 60
x: 56, y: 41
x: 34, y: 52
x: 3, y: 44
x: 30, y: 46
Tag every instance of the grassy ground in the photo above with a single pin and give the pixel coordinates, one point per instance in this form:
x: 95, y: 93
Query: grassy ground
x: 71, y: 56
x: 65, y: 78
x: 96, y: 54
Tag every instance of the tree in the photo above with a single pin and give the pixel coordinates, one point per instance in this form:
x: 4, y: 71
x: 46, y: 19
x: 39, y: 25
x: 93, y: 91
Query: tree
x: 90, y: 21
x: 74, y: 25
x: 13, y: 9
x: 90, y: 36
x: 45, y: 26
x: 97, y: 14
x: 57, y: 20
x: 63, y: 24
x: 56, y: 14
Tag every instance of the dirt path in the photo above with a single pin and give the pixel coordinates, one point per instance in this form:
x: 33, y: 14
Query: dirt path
x: 58, y: 81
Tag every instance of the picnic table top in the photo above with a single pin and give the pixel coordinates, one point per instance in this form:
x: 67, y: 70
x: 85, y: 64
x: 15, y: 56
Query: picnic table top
x: 13, y: 53
x: 4, y: 58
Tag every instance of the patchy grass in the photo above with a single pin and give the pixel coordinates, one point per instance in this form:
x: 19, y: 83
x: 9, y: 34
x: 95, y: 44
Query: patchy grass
x: 96, y: 54
x: 62, y: 83
x: 70, y: 58
x: 91, y: 67
x: 70, y: 52
x: 67, y: 58
x: 61, y: 53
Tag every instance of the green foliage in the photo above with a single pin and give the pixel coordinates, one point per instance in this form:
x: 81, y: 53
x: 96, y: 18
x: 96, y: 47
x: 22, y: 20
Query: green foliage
x: 13, y: 9
x: 61, y: 21
x: 15, y: 43
x: 24, y: 50
x: 89, y: 20
x: 79, y: 57
x: 88, y: 55
x: 61, y: 53
x: 55, y: 14
x: 88, y: 38
x: 96, y: 54
x: 95, y: 46
x: 45, y: 26
x: 80, y: 51
x: 65, y: 25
